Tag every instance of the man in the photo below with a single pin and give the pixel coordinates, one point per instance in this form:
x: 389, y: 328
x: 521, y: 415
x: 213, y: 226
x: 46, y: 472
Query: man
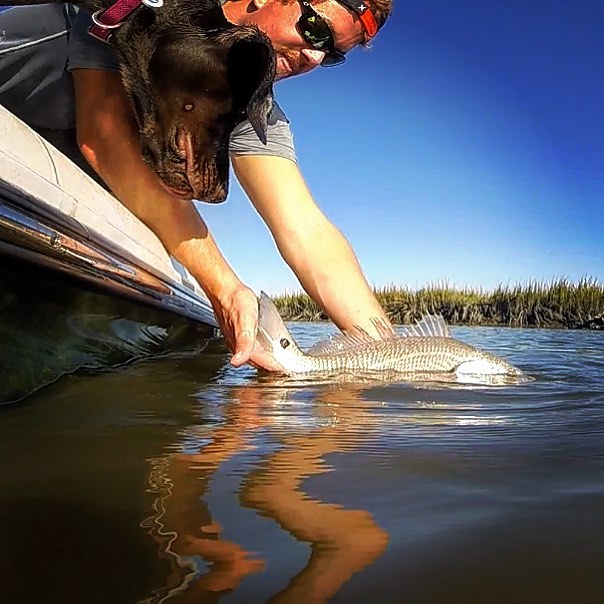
x: 317, y: 252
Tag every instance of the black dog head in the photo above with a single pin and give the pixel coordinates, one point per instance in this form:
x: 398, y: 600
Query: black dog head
x: 192, y: 77
x: 189, y: 88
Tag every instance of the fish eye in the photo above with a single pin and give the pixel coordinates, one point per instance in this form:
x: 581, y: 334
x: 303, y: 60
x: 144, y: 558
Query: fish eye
x: 284, y: 342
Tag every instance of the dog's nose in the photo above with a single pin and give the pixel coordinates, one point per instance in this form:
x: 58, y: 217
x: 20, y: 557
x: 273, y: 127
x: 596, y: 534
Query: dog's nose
x: 215, y: 195
x: 210, y: 181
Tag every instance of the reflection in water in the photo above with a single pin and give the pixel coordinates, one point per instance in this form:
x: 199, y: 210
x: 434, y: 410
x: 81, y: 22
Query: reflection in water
x: 252, y: 489
x: 203, y: 564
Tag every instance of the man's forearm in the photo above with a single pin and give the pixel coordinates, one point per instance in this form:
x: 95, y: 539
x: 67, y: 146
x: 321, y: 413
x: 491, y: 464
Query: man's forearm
x: 329, y: 271
x: 109, y: 140
x: 315, y: 250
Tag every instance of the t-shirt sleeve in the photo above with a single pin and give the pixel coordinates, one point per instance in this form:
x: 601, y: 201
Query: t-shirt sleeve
x: 86, y: 52
x: 280, y: 140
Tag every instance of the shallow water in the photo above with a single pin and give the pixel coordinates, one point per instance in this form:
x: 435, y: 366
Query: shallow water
x: 179, y: 479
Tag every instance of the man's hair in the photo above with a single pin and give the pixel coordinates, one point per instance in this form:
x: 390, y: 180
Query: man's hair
x: 381, y: 9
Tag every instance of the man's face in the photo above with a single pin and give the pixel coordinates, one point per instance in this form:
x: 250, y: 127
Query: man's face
x: 294, y: 55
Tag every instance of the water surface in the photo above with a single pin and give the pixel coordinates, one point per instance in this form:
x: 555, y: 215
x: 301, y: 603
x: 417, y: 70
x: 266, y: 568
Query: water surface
x: 179, y: 479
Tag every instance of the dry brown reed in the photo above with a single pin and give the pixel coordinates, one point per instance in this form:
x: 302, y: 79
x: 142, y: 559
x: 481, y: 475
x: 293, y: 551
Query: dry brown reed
x: 557, y: 304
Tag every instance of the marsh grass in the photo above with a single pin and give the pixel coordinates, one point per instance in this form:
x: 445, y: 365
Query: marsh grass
x: 559, y: 303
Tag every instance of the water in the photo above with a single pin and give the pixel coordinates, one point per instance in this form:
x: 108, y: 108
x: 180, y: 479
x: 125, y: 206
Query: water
x: 72, y: 327
x: 179, y: 479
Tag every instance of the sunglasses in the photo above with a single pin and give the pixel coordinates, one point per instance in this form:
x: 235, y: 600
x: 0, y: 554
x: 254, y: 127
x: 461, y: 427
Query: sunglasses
x: 315, y: 31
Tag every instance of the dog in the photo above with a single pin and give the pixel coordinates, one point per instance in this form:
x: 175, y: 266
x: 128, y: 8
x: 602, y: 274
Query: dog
x: 191, y: 77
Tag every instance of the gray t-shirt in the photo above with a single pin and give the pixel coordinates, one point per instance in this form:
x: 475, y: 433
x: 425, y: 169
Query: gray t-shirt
x: 85, y: 52
x: 34, y: 83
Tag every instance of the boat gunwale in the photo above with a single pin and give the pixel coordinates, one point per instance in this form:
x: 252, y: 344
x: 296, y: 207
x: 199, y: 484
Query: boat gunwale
x: 42, y: 241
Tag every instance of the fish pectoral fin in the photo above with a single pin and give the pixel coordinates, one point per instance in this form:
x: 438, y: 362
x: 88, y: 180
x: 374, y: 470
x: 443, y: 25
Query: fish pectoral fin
x: 337, y: 343
x: 341, y: 342
x: 353, y: 338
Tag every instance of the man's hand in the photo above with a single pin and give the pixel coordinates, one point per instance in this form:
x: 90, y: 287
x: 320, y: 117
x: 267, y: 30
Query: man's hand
x: 237, y: 315
x: 108, y: 136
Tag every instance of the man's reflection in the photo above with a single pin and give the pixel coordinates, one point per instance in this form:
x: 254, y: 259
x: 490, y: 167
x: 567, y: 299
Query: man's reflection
x: 205, y: 566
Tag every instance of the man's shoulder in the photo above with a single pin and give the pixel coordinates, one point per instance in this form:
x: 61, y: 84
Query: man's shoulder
x: 280, y: 140
x: 86, y: 52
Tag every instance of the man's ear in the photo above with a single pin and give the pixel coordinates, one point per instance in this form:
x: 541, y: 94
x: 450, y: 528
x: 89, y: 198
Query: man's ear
x: 251, y: 66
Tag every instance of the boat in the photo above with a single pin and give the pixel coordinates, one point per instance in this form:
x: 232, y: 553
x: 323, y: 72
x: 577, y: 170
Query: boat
x: 85, y: 284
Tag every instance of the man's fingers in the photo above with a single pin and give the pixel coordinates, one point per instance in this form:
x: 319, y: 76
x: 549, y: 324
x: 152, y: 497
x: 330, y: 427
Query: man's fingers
x: 266, y: 361
x: 244, y: 344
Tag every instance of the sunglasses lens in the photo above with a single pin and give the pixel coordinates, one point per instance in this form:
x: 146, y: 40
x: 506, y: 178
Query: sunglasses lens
x: 316, y: 32
x: 333, y: 58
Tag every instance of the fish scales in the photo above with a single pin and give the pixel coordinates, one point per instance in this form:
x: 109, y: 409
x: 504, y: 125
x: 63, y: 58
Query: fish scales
x: 409, y: 354
x: 426, y: 348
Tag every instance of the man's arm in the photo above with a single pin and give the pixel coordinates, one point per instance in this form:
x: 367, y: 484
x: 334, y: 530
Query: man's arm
x: 108, y: 138
x: 317, y: 252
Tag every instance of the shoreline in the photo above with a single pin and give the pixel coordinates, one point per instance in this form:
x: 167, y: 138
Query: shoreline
x: 559, y: 304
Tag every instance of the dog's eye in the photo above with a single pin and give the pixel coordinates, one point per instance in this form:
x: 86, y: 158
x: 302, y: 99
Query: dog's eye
x: 284, y: 342
x: 188, y: 107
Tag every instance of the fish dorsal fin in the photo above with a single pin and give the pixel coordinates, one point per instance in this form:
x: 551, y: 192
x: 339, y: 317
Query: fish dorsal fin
x: 430, y: 326
x: 351, y: 339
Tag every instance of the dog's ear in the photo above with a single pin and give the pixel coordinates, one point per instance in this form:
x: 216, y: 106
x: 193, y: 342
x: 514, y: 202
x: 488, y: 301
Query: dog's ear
x: 251, y: 72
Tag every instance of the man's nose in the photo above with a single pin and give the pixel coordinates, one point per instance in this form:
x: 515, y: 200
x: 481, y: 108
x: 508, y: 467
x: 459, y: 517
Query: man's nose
x: 313, y: 57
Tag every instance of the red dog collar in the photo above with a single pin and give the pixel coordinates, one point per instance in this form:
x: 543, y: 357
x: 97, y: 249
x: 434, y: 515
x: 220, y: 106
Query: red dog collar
x: 105, y: 22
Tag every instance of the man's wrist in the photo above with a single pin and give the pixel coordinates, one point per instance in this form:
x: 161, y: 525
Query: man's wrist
x: 205, y: 262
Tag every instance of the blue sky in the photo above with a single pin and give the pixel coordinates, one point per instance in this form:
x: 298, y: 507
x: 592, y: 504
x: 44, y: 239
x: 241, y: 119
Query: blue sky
x: 467, y: 145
